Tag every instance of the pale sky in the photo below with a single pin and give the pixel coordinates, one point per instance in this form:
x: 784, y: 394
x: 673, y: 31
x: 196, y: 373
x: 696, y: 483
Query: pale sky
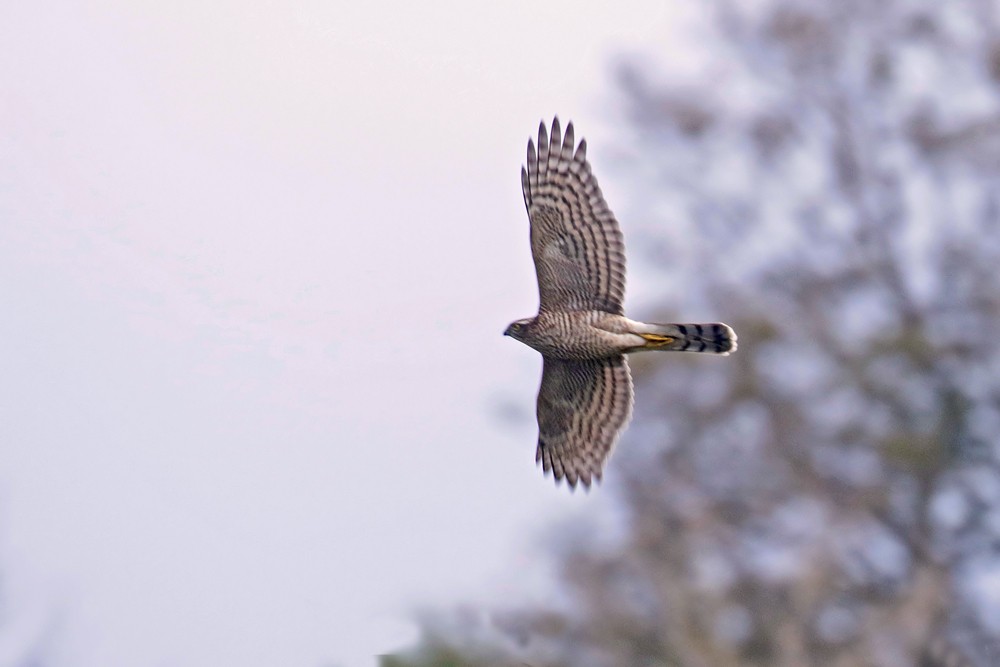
x: 255, y: 262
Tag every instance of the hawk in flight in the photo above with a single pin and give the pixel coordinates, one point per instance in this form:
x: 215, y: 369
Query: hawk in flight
x: 585, y: 399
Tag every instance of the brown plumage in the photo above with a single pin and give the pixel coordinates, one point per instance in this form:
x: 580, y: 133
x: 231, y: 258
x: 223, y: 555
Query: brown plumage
x: 585, y: 399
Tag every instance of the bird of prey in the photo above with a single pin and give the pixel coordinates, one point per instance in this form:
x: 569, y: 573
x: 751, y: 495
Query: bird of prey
x: 585, y: 398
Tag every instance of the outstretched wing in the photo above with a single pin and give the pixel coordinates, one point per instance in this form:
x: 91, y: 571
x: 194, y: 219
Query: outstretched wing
x: 582, y: 407
x: 575, y: 240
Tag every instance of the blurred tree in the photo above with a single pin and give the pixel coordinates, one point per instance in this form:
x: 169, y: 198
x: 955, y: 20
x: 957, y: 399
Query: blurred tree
x: 829, y: 183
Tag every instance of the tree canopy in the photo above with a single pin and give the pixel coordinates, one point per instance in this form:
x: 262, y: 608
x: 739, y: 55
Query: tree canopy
x: 828, y: 183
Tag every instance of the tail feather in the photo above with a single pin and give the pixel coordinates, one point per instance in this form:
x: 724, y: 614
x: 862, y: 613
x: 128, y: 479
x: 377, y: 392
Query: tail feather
x: 716, y: 337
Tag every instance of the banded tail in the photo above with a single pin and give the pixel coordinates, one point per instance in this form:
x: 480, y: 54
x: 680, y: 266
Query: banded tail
x: 716, y: 337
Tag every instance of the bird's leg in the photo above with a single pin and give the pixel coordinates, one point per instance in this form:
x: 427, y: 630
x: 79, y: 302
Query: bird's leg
x: 654, y: 341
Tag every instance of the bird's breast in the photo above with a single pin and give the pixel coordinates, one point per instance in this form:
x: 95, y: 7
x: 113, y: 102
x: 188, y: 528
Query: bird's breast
x: 577, y: 335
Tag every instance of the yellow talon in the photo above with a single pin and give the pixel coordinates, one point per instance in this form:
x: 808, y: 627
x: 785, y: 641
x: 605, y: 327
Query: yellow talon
x: 656, y: 340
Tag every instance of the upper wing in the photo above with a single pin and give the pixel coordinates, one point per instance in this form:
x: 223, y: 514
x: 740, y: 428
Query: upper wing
x: 575, y: 240
x: 582, y: 407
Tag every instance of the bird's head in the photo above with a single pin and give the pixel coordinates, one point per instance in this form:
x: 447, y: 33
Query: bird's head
x: 517, y: 328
